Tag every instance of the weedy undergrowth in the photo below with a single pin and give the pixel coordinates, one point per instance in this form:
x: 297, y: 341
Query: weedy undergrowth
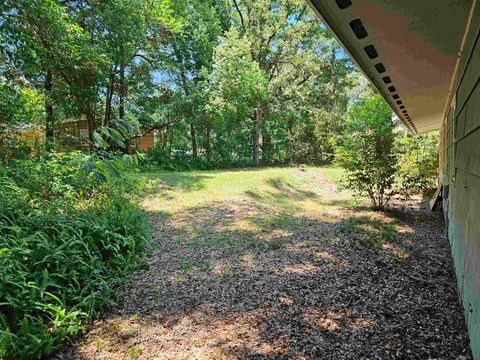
x: 69, y: 232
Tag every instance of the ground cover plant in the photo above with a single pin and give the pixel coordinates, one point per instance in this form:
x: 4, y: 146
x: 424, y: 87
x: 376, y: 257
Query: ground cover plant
x: 69, y: 232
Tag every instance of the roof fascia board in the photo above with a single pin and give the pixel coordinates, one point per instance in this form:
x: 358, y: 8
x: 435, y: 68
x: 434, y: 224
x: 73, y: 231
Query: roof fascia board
x: 316, y: 5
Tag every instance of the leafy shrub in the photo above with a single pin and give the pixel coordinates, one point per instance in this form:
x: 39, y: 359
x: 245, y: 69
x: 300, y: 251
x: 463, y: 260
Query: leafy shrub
x: 366, y: 151
x: 417, y: 169
x: 19, y: 104
x: 67, y: 237
x: 161, y: 159
x: 21, y: 142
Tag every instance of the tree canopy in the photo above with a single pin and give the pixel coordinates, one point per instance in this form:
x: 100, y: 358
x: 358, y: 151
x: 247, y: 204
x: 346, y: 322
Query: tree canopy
x: 223, y: 80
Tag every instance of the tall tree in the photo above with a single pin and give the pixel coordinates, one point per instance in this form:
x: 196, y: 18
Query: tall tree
x: 188, y: 58
x: 83, y: 50
x: 238, y: 87
x: 41, y: 43
x: 289, y: 44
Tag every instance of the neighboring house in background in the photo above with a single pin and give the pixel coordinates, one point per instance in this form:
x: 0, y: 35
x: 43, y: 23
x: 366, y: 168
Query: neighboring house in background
x: 74, y: 133
x: 146, y: 141
x: 424, y: 58
x: 71, y: 133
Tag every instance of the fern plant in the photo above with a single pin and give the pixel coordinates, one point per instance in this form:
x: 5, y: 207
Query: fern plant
x: 67, y: 237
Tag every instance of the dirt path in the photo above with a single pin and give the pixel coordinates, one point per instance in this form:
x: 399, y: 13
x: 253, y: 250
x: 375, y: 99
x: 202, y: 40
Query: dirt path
x: 271, y: 275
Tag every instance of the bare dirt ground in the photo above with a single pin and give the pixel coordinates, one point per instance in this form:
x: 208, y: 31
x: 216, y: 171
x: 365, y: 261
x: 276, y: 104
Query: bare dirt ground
x: 293, y: 269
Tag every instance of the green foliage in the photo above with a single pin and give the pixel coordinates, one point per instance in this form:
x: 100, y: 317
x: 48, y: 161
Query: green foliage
x: 380, y: 162
x: 366, y: 150
x: 278, y: 63
x: 417, y: 169
x: 21, y: 112
x: 159, y: 158
x: 239, y: 85
x: 19, y: 104
x: 195, y: 70
x: 86, y: 48
x: 313, y: 138
x: 117, y: 135
x: 67, y: 236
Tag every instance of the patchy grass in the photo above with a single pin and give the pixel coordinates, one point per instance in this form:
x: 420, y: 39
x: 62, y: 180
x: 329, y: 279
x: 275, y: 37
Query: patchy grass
x: 284, y: 187
x: 270, y: 263
x: 134, y: 352
x: 369, y: 231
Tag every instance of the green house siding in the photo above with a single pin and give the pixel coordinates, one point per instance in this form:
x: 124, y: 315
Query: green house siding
x: 462, y: 174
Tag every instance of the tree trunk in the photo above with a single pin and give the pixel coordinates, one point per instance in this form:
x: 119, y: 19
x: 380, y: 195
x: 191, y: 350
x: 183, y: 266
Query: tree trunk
x: 193, y: 134
x: 164, y: 137
x: 267, y: 153
x: 333, y: 75
x: 91, y: 124
x: 122, y: 93
x: 49, y: 118
x: 108, y: 101
x: 256, y: 137
x: 171, y: 141
x: 208, y: 142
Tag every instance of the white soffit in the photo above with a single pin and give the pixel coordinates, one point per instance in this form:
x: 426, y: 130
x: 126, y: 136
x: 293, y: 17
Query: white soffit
x: 416, y: 42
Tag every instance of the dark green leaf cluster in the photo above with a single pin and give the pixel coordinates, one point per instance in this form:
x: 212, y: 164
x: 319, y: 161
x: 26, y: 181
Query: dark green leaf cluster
x: 417, y: 169
x: 160, y: 159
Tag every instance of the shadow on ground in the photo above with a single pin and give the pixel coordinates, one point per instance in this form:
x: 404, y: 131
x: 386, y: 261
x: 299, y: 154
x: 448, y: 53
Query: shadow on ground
x: 171, y: 181
x: 247, y: 279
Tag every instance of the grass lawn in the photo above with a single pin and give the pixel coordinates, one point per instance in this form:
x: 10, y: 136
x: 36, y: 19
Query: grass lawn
x: 280, y: 263
x: 191, y: 189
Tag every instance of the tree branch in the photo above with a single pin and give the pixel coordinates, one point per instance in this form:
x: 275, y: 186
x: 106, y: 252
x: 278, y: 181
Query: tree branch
x: 305, y: 79
x: 147, y: 59
x: 240, y: 13
x: 154, y: 127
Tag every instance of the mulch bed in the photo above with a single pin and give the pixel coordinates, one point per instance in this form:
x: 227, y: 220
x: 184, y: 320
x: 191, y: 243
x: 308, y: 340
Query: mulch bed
x: 315, y: 294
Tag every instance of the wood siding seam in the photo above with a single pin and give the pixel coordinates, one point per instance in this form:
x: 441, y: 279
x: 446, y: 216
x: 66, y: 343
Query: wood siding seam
x: 470, y: 44
x: 468, y: 134
x: 464, y: 103
x: 461, y: 171
x: 459, y: 67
